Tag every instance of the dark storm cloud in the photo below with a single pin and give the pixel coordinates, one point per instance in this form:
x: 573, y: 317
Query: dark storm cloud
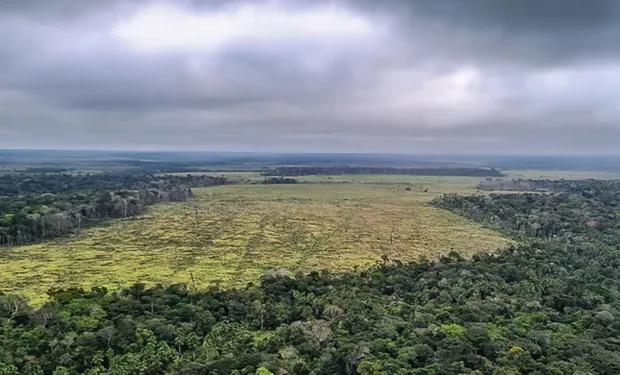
x: 529, y: 32
x: 396, y: 75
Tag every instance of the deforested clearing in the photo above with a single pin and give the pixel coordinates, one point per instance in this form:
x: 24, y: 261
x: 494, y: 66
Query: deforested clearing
x: 230, y: 235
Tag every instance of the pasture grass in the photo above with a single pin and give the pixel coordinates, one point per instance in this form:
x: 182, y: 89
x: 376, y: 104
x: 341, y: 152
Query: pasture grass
x: 230, y: 235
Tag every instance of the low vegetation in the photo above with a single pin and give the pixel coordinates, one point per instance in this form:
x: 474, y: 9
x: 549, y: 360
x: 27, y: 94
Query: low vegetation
x: 230, y: 235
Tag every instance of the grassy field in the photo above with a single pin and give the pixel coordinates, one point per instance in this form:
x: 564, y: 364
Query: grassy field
x: 230, y: 235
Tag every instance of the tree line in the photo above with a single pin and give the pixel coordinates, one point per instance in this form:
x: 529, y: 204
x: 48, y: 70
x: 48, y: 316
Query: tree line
x: 550, y: 305
x: 278, y: 180
x: 42, y: 206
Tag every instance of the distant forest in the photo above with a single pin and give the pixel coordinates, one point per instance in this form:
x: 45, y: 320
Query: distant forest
x: 337, y: 171
x: 43, y: 206
x: 154, y: 161
x: 550, y: 305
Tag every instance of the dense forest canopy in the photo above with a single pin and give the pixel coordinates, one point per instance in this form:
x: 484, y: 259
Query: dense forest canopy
x: 13, y: 184
x: 572, y: 209
x: 39, y: 206
x: 548, y: 306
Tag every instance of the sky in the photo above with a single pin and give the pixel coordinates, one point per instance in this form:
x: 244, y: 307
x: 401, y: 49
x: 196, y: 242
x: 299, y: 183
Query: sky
x: 397, y: 76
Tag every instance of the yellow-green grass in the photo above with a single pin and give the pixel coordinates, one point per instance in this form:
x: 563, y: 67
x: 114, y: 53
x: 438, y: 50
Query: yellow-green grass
x: 230, y: 235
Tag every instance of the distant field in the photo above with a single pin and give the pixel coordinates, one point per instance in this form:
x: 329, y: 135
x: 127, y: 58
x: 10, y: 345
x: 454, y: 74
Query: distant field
x: 417, y: 183
x: 230, y: 235
x: 391, y: 179
x: 557, y: 175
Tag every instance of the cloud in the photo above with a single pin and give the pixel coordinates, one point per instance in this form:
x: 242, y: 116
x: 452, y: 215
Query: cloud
x: 469, y: 76
x: 163, y: 26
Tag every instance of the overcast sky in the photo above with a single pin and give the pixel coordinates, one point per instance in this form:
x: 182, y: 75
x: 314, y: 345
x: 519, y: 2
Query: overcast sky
x: 410, y: 76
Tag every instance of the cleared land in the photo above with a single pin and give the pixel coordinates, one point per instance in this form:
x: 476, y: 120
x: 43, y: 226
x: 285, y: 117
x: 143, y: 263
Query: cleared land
x: 230, y: 235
